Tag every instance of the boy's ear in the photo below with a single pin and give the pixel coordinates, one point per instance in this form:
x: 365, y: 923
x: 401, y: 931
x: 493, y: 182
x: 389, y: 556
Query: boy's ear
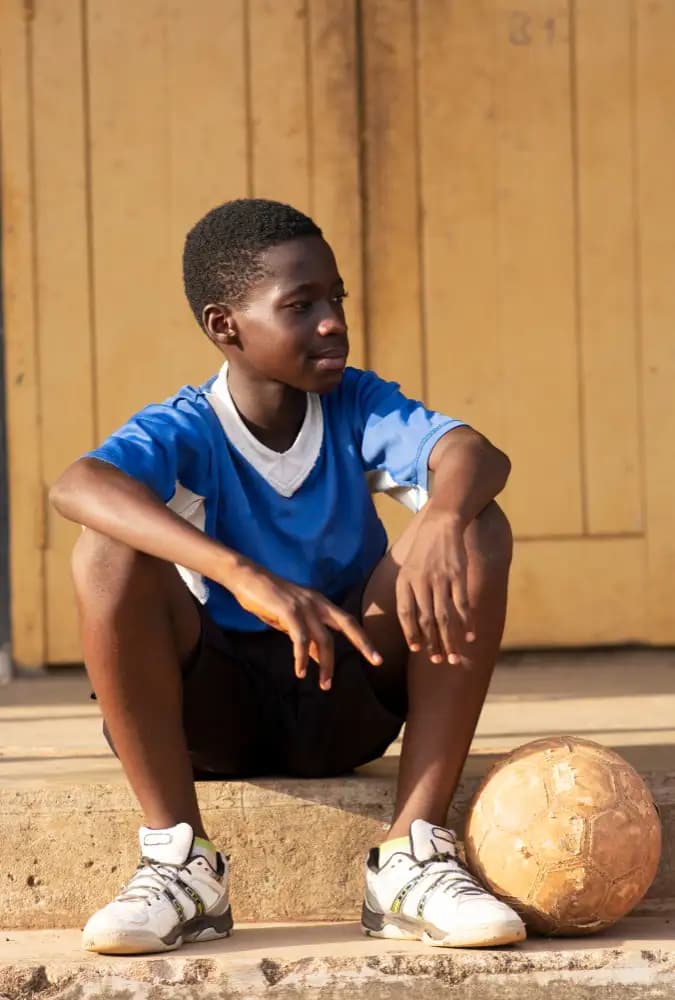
x: 219, y: 324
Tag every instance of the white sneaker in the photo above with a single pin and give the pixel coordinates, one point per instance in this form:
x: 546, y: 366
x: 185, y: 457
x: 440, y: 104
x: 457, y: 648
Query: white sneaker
x: 175, y: 896
x: 426, y: 894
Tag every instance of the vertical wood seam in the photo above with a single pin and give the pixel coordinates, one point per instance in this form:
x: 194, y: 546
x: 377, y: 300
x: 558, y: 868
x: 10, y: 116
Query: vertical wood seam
x: 168, y: 169
x: 40, y: 498
x: 577, y: 269
x: 496, y: 227
x: 89, y: 216
x: 637, y: 269
x: 248, y: 96
x: 309, y: 109
x: 360, y: 71
x: 419, y: 193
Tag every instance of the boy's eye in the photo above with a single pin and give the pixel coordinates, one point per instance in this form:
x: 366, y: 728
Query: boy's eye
x: 303, y: 305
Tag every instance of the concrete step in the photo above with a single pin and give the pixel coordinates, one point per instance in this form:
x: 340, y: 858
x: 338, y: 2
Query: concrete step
x: 68, y: 823
x: 636, y: 961
x: 297, y: 846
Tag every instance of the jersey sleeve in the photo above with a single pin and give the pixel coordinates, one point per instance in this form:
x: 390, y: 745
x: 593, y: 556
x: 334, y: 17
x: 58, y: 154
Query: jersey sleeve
x: 160, y: 446
x: 397, y: 436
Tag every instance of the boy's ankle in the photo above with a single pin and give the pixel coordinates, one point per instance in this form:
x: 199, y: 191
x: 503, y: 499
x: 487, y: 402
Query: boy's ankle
x: 197, y: 829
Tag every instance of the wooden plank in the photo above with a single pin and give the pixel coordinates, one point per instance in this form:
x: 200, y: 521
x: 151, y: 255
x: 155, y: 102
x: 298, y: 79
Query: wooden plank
x: 135, y: 363
x: 577, y: 592
x: 394, y: 319
x: 537, y: 317
x: 206, y: 105
x: 26, y: 494
x: 655, y: 92
x: 278, y: 61
x: 612, y: 459
x: 464, y: 373
x: 393, y: 311
x: 334, y: 136
x: 62, y: 257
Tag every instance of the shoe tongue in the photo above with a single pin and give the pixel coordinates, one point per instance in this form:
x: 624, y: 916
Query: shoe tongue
x: 427, y: 840
x: 169, y: 847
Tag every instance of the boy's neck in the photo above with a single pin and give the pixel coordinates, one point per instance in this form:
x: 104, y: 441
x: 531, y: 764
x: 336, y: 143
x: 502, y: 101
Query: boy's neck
x: 271, y: 411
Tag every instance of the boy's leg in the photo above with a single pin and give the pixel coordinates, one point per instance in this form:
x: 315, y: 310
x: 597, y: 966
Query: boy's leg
x: 444, y: 701
x: 138, y: 625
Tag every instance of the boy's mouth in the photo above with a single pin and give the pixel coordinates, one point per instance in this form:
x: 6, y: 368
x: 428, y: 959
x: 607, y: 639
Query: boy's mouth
x: 332, y: 359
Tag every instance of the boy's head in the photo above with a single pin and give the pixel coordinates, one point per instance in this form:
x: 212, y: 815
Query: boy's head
x: 263, y: 283
x: 222, y: 259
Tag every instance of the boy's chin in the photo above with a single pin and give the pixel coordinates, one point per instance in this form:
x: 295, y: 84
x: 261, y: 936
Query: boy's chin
x: 325, y: 381
x: 324, y: 373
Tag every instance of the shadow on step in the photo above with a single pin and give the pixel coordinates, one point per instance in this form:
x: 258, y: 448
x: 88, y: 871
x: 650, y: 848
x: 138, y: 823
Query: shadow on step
x: 369, y: 791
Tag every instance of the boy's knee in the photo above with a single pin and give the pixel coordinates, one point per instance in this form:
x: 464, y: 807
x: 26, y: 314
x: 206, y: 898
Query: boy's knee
x: 98, y: 563
x: 489, y: 538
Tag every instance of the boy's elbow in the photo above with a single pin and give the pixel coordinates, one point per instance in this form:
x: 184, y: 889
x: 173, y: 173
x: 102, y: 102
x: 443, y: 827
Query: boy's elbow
x: 58, y: 494
x: 502, y: 465
x: 498, y: 462
x: 505, y: 465
x: 64, y: 490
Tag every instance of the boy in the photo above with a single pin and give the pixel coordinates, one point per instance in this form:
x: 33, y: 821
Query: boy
x: 240, y: 613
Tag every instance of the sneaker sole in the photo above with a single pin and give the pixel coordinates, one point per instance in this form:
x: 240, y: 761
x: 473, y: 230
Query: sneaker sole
x: 205, y: 928
x: 396, y: 927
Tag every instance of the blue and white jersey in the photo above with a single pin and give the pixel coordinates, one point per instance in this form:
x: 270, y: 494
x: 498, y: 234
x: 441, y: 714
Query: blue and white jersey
x: 305, y: 514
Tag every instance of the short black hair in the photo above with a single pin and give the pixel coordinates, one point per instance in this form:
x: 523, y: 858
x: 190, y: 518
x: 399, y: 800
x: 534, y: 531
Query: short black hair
x: 221, y: 257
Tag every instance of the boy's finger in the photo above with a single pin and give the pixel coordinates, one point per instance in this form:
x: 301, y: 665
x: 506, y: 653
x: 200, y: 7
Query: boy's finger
x: 323, y: 641
x: 427, y: 620
x: 460, y: 597
x: 433, y: 640
x: 356, y: 634
x: 470, y: 626
x: 300, y: 641
x: 406, y: 609
x: 444, y: 614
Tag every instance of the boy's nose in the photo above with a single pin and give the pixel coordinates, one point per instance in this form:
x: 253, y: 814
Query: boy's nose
x: 330, y: 325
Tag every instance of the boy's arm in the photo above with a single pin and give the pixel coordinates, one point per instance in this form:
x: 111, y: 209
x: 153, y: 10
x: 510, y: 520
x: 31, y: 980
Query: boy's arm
x: 468, y: 473
x: 99, y: 496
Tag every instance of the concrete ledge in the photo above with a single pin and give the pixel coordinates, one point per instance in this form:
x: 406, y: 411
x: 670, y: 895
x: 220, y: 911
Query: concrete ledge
x: 636, y: 960
x: 297, y: 846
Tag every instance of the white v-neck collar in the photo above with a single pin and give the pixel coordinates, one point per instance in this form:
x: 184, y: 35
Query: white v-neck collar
x: 285, y: 471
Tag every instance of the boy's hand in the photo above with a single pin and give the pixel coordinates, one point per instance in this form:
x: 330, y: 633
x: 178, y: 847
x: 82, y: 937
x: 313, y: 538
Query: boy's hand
x: 432, y: 592
x: 303, y: 615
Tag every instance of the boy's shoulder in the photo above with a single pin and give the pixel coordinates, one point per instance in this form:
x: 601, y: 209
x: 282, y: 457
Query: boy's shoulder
x: 359, y: 391
x: 193, y: 394
x: 188, y: 398
x: 185, y: 415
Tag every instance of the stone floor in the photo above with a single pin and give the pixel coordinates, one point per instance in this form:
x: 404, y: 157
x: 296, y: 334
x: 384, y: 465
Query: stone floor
x: 635, y: 961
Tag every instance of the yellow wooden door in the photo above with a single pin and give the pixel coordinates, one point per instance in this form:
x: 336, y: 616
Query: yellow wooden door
x: 521, y: 154
x: 497, y: 183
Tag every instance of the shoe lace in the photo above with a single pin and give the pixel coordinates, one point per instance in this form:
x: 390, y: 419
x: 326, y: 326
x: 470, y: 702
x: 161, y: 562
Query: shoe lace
x: 458, y: 881
x: 149, y: 880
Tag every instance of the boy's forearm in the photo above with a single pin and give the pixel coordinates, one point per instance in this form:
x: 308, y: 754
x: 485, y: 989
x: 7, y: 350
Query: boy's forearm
x: 468, y: 473
x: 100, y: 497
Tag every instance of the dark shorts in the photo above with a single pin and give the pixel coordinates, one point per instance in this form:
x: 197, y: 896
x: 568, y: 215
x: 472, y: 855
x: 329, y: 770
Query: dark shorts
x: 246, y: 714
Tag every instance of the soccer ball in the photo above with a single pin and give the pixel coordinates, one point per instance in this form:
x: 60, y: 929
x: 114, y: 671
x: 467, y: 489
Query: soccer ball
x: 567, y: 833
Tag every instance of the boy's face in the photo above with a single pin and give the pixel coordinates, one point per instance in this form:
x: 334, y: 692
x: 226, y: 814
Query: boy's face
x: 292, y: 327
